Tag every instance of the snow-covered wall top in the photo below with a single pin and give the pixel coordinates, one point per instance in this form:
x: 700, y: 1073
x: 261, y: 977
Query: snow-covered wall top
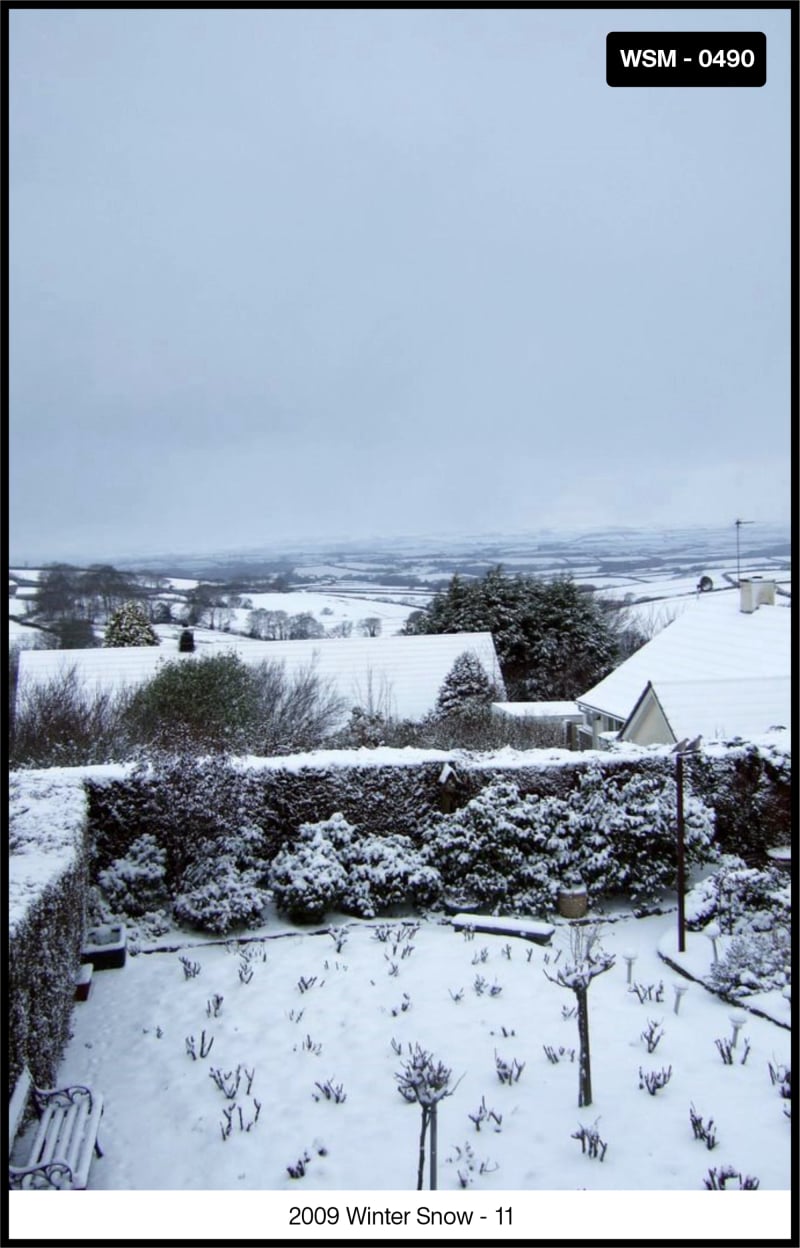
x: 48, y: 812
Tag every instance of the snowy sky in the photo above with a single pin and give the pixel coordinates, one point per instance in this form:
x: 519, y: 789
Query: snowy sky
x: 278, y: 274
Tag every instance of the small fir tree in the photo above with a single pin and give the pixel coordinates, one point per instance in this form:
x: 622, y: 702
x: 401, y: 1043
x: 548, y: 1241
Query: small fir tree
x: 129, y: 626
x: 465, y: 688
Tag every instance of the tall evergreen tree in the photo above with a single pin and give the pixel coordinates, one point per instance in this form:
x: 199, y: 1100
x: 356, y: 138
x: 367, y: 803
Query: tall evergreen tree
x: 553, y: 640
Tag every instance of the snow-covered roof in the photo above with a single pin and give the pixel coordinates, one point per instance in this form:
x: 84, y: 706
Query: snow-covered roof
x: 538, y: 710
x: 401, y: 674
x: 711, y: 641
x: 717, y: 709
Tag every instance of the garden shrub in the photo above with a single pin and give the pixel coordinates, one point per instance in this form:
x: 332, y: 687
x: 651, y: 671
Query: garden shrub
x: 754, y: 962
x: 502, y: 850
x: 332, y: 867
x: 740, y: 898
x: 626, y: 832
x: 217, y: 895
x: 512, y: 851
x: 307, y: 879
x: 136, y: 883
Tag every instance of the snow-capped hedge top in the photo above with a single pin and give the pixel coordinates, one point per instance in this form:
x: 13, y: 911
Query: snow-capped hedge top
x: 47, y: 821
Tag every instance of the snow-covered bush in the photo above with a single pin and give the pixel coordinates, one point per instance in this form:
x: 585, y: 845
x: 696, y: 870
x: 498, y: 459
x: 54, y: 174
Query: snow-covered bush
x: 307, y: 879
x: 331, y: 866
x: 754, y: 962
x: 740, y: 898
x: 217, y: 895
x: 136, y: 883
x: 501, y: 849
x: 625, y: 827
x: 384, y: 871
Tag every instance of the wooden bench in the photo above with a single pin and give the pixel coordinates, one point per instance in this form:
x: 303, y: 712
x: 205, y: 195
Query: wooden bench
x: 65, y: 1136
x: 528, y: 929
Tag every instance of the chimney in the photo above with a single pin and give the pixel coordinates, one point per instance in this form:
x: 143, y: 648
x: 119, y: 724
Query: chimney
x: 754, y: 592
x: 186, y: 641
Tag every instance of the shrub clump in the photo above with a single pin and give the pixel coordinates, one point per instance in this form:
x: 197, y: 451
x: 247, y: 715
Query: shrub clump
x: 513, y: 852
x: 740, y: 898
x: 136, y: 883
x: 331, y: 867
x: 754, y: 962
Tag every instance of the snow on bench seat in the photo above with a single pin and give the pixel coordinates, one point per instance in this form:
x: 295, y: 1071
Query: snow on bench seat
x: 528, y: 929
x: 65, y: 1136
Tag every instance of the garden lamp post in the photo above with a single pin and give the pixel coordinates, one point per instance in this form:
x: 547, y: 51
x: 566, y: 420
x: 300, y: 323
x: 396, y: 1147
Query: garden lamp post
x: 683, y: 747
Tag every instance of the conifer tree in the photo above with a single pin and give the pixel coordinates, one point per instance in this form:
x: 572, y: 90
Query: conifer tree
x: 129, y: 626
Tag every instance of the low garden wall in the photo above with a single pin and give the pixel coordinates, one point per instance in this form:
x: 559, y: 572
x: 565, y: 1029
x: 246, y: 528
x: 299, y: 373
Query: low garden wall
x: 47, y: 886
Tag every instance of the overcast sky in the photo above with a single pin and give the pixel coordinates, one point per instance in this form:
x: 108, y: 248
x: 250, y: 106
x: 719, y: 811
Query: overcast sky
x: 287, y: 273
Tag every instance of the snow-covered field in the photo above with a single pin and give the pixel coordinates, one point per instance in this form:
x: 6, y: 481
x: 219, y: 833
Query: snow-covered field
x: 328, y: 608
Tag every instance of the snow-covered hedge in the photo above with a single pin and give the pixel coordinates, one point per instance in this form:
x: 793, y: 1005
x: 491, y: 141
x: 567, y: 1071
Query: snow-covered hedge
x: 47, y: 884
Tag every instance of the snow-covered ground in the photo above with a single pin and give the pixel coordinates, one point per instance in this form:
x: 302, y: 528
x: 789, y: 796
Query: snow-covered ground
x: 301, y: 1023
x: 343, y: 1030
x: 329, y: 609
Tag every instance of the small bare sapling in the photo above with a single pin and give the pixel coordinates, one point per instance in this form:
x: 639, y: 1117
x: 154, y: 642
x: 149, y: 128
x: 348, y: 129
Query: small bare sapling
x: 427, y: 1082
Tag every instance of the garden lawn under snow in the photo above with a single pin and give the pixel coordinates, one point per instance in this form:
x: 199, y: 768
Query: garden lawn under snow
x: 302, y: 1024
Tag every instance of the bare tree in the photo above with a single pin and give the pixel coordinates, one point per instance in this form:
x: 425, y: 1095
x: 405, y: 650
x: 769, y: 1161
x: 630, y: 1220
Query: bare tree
x: 370, y: 626
x: 586, y: 962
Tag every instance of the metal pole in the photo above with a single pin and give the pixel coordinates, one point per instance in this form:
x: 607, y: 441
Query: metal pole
x: 681, y: 873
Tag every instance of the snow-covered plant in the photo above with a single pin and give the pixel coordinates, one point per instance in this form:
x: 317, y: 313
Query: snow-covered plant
x: 652, y: 1033
x: 205, y: 1046
x: 726, y: 1049
x: 484, y: 1114
x: 626, y: 828
x: 654, y: 1080
x: 297, y: 1170
x: 718, y: 1180
x: 466, y: 689
x: 586, y: 961
x: 234, y: 1113
x: 648, y: 992
x: 498, y: 849
x: 136, y: 883
x: 216, y: 895
x: 330, y: 865
x: 508, y: 1072
x: 190, y: 968
x: 555, y: 1055
x: 468, y: 1165
x: 703, y: 1131
x: 426, y: 1081
x: 740, y: 898
x: 754, y: 962
x: 129, y: 626
x: 308, y: 878
x: 591, y: 1144
x: 330, y: 1091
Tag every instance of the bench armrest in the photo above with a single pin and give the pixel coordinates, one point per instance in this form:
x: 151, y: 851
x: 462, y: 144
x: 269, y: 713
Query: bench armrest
x: 61, y: 1096
x: 48, y: 1171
